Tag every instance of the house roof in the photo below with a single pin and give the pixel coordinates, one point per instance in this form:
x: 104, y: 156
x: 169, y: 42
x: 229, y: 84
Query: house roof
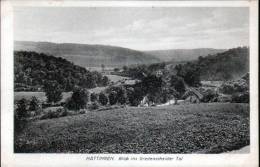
x: 192, y: 91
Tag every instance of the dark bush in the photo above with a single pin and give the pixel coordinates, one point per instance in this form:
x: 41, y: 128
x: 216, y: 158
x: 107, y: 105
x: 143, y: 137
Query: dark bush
x: 135, y: 95
x: 103, y: 99
x: 78, y: 99
x: 93, y: 97
x: 22, y: 108
x: 53, y: 91
x: 122, y: 96
x: 34, y: 104
x: 112, y: 97
x: 55, y: 113
x: 20, y: 115
x: 240, y: 97
x: 93, y: 106
x: 178, y: 84
x: 209, y: 96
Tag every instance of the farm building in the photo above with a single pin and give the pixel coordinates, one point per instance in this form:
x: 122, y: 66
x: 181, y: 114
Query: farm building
x: 192, y: 96
x: 145, y: 102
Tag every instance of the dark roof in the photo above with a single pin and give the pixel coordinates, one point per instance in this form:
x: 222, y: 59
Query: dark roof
x: 192, y: 91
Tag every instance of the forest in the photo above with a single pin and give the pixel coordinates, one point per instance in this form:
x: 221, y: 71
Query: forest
x: 34, y: 71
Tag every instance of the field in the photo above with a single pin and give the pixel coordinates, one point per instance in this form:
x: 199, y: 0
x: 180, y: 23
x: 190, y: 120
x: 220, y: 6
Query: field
x: 193, y: 128
x: 116, y: 78
x: 39, y: 95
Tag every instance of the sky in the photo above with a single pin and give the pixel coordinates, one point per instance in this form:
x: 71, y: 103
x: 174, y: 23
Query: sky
x: 140, y: 28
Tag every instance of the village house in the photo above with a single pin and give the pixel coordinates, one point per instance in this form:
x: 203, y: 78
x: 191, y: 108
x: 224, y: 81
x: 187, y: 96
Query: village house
x: 144, y: 102
x: 192, y: 96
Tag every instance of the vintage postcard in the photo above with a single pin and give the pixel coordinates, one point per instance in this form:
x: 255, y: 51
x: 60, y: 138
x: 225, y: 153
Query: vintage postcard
x: 129, y: 83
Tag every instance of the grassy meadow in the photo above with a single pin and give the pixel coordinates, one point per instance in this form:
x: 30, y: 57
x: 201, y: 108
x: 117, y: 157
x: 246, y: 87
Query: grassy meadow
x: 192, y: 128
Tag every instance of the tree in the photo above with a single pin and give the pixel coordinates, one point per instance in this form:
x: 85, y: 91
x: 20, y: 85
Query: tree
x: 103, y: 99
x: 178, y: 84
x: 34, y: 104
x: 112, y: 97
x: 122, y: 96
x: 53, y: 91
x: 151, y: 84
x: 105, y: 81
x: 190, y: 72
x: 78, y: 99
x: 125, y: 68
x: 135, y: 95
x: 20, y: 115
x: 21, y: 110
x: 93, y: 97
x: 116, y: 69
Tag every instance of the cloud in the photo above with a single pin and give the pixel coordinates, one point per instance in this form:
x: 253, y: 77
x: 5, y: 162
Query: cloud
x: 142, y: 29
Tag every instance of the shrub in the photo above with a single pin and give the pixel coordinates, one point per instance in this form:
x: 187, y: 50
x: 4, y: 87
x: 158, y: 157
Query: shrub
x: 103, y: 99
x: 240, y: 97
x: 82, y: 111
x: 62, y: 112
x: 209, y: 96
x: 35, y: 105
x: 93, y: 106
x: 54, y: 112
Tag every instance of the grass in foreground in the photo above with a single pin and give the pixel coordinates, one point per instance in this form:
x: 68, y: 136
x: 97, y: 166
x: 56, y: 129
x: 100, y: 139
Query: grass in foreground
x: 203, y: 128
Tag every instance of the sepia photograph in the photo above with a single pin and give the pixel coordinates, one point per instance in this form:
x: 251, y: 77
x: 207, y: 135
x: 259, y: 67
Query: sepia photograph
x: 131, y: 83
x: 131, y: 80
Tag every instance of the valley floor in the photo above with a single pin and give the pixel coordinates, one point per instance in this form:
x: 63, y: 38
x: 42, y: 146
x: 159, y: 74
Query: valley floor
x: 192, y: 128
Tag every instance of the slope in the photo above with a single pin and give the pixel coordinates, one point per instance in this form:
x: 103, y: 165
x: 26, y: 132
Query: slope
x: 88, y: 55
x: 178, y: 55
x: 33, y: 70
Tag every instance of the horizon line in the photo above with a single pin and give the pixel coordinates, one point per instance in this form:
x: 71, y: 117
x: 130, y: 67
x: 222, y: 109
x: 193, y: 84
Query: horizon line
x: 130, y: 48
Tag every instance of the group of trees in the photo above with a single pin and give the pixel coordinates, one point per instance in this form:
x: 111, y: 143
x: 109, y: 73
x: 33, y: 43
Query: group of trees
x: 190, y: 72
x: 238, y: 89
x: 33, y: 71
x: 23, y: 108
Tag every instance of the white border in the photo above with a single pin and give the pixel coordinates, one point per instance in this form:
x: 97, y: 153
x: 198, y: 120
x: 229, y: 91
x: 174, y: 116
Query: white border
x: 10, y: 159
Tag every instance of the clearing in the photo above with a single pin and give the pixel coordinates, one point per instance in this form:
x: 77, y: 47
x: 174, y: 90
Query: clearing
x: 193, y: 128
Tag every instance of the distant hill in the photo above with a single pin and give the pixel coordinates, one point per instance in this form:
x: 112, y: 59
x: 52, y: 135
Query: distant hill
x: 89, y: 55
x: 32, y: 71
x: 231, y: 64
x: 228, y: 65
x: 179, y: 55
